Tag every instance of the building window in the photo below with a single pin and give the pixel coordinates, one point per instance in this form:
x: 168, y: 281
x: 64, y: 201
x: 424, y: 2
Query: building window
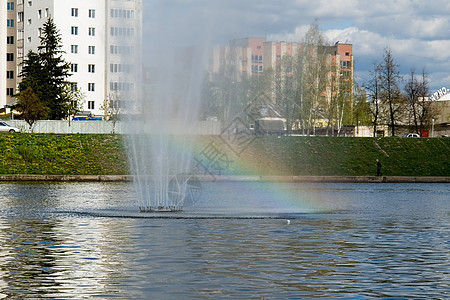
x: 122, y: 31
x: 74, y: 68
x: 114, y: 49
x: 46, y: 13
x: 29, y: 21
x: 122, y: 13
x: 9, y: 91
x: 10, y: 40
x: 10, y: 23
x: 20, y: 16
x: 74, y: 12
x: 10, y: 6
x: 74, y: 48
x: 30, y: 3
x: 345, y: 64
x: 74, y: 86
x: 9, y: 56
x: 74, y: 30
x: 92, y: 13
x: 29, y: 39
x: 20, y: 34
x: 347, y: 53
x: 39, y: 31
x: 345, y: 73
x: 19, y: 52
x: 91, y: 49
x: 91, y: 68
x: 91, y: 104
x: 10, y: 74
x: 91, y: 87
x: 117, y: 68
x: 40, y: 14
x: 121, y: 86
x: 91, y: 31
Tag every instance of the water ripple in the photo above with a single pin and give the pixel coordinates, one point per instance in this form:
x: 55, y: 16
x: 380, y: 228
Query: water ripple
x: 365, y: 251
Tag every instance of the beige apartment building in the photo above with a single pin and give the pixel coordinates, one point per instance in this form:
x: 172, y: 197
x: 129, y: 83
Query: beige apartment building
x: 243, y: 58
x: 102, y: 41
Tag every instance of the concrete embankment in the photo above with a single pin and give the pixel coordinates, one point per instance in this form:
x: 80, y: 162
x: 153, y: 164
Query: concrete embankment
x: 329, y: 179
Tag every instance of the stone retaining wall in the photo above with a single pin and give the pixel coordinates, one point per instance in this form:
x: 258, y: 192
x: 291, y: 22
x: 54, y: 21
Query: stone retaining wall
x: 337, y: 179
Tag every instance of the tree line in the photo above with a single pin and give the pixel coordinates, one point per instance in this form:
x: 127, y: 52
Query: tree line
x: 311, y: 92
x: 306, y: 89
x: 392, y: 106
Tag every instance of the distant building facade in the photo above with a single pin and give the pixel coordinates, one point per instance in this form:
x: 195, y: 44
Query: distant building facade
x: 101, y: 40
x: 243, y: 58
x: 441, y: 101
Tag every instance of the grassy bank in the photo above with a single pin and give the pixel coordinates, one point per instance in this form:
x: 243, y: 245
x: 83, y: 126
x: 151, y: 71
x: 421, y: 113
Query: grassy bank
x: 80, y: 154
x: 62, y: 154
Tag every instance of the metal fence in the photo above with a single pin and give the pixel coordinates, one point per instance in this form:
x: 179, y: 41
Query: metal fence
x: 63, y: 126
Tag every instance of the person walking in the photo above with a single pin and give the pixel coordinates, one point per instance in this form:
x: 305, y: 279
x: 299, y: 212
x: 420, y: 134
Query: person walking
x: 378, y: 168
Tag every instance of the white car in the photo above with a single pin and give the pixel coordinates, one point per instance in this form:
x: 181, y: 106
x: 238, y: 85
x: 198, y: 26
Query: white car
x: 413, y: 135
x: 4, y: 127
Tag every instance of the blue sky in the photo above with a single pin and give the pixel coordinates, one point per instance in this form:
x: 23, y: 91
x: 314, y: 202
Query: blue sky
x: 416, y: 31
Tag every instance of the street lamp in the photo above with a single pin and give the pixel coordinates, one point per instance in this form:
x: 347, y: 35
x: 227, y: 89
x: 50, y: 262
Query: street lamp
x: 432, y: 128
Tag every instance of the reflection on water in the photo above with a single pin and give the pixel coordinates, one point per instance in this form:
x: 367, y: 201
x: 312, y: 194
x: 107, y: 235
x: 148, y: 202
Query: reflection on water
x: 363, y: 240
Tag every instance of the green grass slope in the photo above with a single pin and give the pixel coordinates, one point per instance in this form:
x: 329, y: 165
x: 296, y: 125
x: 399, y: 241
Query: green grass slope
x: 62, y: 154
x: 103, y: 154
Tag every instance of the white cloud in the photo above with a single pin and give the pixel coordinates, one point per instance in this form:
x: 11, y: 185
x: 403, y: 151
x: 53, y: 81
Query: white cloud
x: 417, y: 31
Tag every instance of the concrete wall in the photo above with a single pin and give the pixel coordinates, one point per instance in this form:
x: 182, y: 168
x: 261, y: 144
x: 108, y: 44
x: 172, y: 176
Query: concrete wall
x: 53, y: 126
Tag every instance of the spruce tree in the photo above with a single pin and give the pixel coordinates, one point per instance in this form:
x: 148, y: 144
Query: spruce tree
x: 31, y: 75
x: 54, y: 68
x: 46, y: 72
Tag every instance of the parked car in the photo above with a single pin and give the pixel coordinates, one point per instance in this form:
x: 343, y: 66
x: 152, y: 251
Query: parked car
x: 4, y: 127
x: 413, y: 135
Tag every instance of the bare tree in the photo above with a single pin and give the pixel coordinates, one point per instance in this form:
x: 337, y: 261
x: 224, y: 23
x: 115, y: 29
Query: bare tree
x: 312, y: 63
x: 72, y: 98
x: 389, y: 83
x: 427, y: 111
x: 112, y: 108
x: 361, y: 108
x: 412, y: 93
x: 373, y: 88
x: 285, y: 90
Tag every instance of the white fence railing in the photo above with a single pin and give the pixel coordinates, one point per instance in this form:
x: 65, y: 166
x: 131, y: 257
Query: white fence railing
x: 63, y: 126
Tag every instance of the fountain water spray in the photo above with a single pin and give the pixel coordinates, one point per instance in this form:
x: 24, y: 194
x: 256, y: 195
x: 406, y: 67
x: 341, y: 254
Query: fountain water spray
x: 162, y: 131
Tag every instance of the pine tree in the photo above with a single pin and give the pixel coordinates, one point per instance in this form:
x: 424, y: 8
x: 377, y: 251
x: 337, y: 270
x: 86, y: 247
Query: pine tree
x: 55, y: 69
x: 31, y: 75
x: 46, y: 72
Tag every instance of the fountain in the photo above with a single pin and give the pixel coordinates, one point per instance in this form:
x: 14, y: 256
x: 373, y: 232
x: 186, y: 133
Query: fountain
x: 162, y: 133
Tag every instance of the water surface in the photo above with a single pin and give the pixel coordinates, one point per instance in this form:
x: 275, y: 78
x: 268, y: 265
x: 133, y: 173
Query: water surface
x: 343, y: 240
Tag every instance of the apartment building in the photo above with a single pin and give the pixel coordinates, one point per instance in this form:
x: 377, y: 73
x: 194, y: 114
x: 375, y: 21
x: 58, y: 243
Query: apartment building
x: 240, y: 58
x: 8, y: 55
x: 101, y: 40
x: 246, y: 57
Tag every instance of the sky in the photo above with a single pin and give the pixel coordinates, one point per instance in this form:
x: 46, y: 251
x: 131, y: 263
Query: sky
x: 416, y: 31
